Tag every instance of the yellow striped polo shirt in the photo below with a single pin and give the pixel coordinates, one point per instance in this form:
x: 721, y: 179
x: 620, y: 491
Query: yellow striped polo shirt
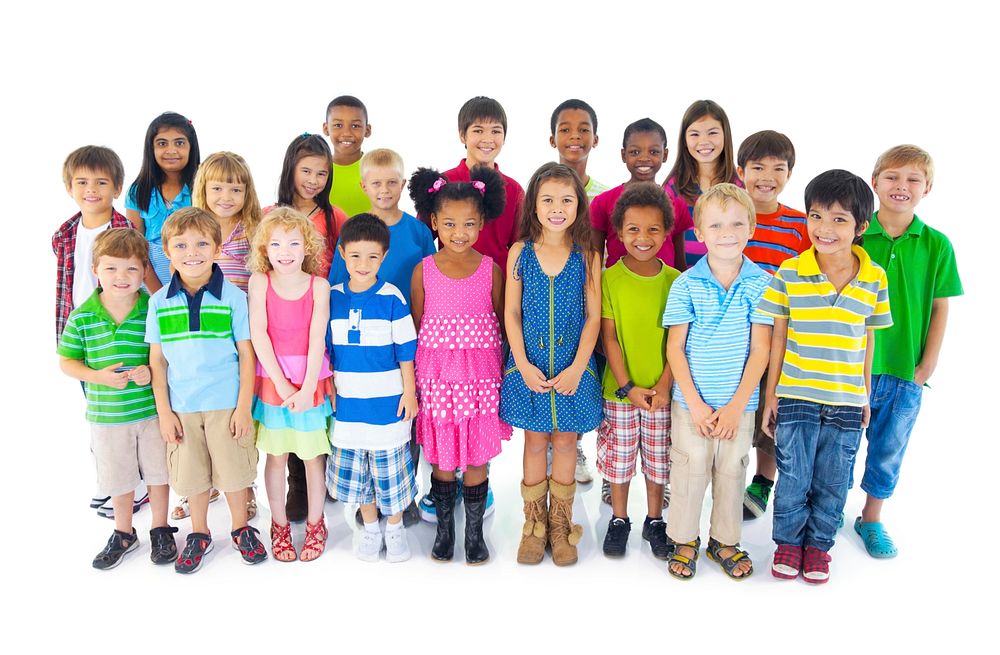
x: 827, y: 331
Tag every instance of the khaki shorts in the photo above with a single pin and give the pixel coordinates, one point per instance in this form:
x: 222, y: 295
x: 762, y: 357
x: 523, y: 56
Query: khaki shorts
x: 127, y: 454
x: 208, y: 456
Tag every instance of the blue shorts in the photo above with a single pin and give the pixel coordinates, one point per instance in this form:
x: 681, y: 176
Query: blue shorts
x: 895, y: 404
x: 383, y: 477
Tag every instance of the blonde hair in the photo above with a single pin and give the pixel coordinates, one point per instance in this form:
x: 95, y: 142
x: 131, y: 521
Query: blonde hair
x: 286, y: 219
x: 191, y: 218
x: 724, y: 193
x: 381, y: 158
x: 906, y: 154
x: 230, y: 168
x: 123, y: 243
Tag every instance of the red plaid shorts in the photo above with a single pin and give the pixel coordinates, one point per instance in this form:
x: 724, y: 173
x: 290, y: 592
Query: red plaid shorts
x: 627, y: 431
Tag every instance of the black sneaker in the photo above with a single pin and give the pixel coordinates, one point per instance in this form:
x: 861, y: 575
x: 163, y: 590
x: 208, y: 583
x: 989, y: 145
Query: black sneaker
x: 655, y: 532
x: 118, y: 546
x: 616, y: 539
x: 197, y: 546
x: 162, y: 547
x: 251, y: 549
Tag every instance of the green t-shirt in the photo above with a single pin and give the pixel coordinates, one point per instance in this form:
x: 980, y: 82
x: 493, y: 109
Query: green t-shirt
x: 346, y: 192
x: 636, y: 304
x: 92, y: 336
x: 920, y: 266
x: 594, y: 188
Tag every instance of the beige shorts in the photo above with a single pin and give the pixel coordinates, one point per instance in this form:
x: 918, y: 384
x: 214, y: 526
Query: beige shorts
x: 208, y: 456
x: 127, y: 454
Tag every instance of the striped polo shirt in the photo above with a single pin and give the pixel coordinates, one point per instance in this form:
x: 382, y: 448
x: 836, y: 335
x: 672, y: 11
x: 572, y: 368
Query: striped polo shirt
x: 719, y: 320
x: 827, y: 331
x: 777, y: 237
x: 198, y: 335
x: 370, y: 334
x: 94, y: 337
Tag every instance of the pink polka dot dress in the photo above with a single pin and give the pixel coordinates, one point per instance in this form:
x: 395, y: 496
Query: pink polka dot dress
x: 458, y: 369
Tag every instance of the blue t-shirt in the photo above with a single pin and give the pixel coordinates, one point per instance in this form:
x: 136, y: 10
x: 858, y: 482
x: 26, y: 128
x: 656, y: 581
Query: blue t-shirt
x: 409, y: 242
x: 154, y: 218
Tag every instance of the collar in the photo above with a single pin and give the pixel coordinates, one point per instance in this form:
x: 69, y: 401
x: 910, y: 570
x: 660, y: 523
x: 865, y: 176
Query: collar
x: 809, y: 266
x: 915, y: 229
x: 94, y: 305
x: 467, y: 175
x: 379, y: 283
x: 702, y: 270
x: 214, y: 285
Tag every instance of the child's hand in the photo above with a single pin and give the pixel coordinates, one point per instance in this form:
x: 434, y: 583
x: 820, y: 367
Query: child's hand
x: 140, y: 375
x: 866, y: 415
x: 170, y: 428
x: 534, y: 379
x: 333, y: 397
x: 642, y: 398
x: 702, y: 416
x: 285, y: 389
x: 241, y: 423
x: 921, y: 374
x: 661, y: 399
x: 408, y: 406
x: 769, y: 419
x: 727, y: 420
x: 567, y: 381
x: 109, y: 378
x: 299, y: 401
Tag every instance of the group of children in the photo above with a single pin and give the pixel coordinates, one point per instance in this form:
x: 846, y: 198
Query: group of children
x: 683, y: 322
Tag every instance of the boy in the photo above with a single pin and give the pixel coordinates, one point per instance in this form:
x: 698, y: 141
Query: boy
x: 717, y: 348
x: 826, y: 304
x: 920, y: 266
x: 764, y: 165
x: 203, y: 376
x: 373, y: 344
x: 347, y: 127
x: 637, y: 379
x: 102, y: 346
x: 574, y: 134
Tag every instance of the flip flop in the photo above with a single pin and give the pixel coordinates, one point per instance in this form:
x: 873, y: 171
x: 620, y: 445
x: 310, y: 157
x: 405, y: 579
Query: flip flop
x: 878, y: 543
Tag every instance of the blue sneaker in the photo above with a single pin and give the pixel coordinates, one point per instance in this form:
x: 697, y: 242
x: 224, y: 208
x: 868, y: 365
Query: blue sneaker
x: 489, y: 502
x: 429, y: 513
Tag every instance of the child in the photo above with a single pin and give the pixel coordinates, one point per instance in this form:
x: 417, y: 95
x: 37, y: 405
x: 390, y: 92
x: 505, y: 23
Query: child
x: 764, y: 165
x: 550, y: 386
x: 717, y: 347
x: 373, y: 344
x: 922, y: 274
x: 347, y: 126
x: 637, y: 379
x: 705, y: 159
x: 170, y: 158
x: 289, y: 309
x: 456, y: 301
x: 203, y: 371
x: 573, y: 134
x: 826, y: 304
x: 103, y: 347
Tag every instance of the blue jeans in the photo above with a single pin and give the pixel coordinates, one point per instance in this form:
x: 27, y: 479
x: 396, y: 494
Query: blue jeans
x: 815, y: 446
x: 895, y: 404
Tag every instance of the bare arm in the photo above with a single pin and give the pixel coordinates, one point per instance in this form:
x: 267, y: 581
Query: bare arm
x: 408, y: 407
x: 869, y: 357
x: 779, y: 341
x: 616, y: 362
x: 932, y: 345
x: 567, y: 380
x: 170, y: 425
x: 257, y: 301
x: 727, y: 418
x: 76, y: 368
x: 533, y: 377
x: 677, y: 360
x: 680, y: 258
x: 241, y: 423
x: 136, y: 220
x: 417, y: 295
x: 497, y: 294
x: 302, y: 399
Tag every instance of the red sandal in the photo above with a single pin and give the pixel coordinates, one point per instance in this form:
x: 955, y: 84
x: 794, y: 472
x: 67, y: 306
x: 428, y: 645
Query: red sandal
x: 315, y: 544
x: 281, y: 542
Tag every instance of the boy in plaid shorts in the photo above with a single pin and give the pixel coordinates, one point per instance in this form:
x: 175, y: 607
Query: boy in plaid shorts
x: 636, y: 380
x: 373, y: 344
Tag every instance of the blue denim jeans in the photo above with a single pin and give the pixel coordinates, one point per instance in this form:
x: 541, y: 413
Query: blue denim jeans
x: 895, y: 404
x: 815, y: 446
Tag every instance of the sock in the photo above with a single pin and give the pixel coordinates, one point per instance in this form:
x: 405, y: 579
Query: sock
x: 371, y: 527
x: 650, y: 519
x: 760, y: 479
x: 392, y: 527
x: 622, y: 518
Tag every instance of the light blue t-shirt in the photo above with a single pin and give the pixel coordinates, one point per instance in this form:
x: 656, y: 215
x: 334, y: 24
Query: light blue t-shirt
x: 154, y: 218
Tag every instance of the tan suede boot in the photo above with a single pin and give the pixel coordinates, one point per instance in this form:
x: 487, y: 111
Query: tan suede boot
x: 532, y: 546
x: 564, y: 535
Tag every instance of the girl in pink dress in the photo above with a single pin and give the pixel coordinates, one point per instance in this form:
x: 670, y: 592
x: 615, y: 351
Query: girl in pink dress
x: 456, y: 301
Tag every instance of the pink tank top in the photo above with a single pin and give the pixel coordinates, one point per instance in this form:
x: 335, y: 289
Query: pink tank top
x: 288, y: 329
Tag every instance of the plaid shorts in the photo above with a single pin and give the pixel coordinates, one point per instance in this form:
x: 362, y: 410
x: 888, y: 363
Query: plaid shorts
x: 627, y: 431
x: 383, y: 477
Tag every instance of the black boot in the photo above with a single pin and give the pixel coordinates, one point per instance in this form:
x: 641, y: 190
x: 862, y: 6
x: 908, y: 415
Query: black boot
x: 297, y: 501
x: 475, y: 506
x: 444, y: 494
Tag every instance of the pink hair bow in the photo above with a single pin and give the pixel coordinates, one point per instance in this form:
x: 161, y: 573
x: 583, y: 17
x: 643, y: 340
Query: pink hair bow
x: 481, y: 186
x: 438, y: 183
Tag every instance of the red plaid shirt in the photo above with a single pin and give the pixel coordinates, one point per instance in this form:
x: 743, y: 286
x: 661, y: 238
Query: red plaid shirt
x: 64, y: 247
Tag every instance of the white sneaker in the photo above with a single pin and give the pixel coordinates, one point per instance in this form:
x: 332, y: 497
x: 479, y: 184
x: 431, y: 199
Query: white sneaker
x: 583, y: 475
x: 397, y: 549
x: 367, y: 545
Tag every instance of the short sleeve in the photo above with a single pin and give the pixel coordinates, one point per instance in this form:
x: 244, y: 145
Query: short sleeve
x: 404, y: 335
x: 426, y: 240
x: 241, y: 317
x: 881, y: 317
x: 758, y: 317
x: 71, y: 343
x: 600, y: 217
x: 774, y: 302
x: 153, y: 321
x: 130, y: 199
x: 948, y: 283
x: 679, y: 309
x: 606, y: 309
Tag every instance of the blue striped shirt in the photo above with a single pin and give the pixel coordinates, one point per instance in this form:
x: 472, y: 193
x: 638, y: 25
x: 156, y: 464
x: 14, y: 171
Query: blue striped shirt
x: 370, y: 334
x: 718, y: 338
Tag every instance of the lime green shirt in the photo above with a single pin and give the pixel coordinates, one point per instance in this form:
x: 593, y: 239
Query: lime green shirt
x: 346, y: 192
x: 920, y: 266
x: 636, y: 304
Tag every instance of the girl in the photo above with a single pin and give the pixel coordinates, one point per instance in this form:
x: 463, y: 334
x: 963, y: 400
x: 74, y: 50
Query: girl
x: 456, y: 302
x: 305, y: 185
x: 705, y: 159
x: 170, y: 158
x: 550, y: 386
x: 289, y: 311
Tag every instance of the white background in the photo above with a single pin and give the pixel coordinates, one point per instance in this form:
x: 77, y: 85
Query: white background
x: 844, y: 80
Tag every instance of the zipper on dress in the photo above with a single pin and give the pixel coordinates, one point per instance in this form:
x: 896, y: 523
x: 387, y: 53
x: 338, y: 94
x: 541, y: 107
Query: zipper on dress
x: 552, y: 345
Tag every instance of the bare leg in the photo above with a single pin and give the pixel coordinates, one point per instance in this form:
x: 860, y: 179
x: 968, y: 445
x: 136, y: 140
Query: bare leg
x: 872, y: 512
x: 199, y: 512
x: 316, y: 487
x: 237, y: 501
x: 440, y: 474
x: 475, y: 475
x: 654, y: 500
x: 370, y: 513
x: 535, y: 444
x: 766, y: 465
x: 564, y: 457
x: 159, y: 501
x: 619, y: 499
x: 123, y: 511
x: 274, y: 484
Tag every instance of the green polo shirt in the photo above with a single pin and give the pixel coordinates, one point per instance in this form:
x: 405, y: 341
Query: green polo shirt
x: 920, y: 266
x: 93, y: 336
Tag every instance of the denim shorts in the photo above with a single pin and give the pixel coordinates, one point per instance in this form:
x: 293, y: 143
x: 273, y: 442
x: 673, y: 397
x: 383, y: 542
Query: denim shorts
x: 895, y: 404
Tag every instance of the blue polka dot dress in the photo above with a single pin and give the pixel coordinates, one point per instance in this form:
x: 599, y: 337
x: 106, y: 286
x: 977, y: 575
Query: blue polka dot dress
x: 552, y: 319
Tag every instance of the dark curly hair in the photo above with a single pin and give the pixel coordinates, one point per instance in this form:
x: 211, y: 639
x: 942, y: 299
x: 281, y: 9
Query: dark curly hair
x: 643, y: 194
x: 428, y: 194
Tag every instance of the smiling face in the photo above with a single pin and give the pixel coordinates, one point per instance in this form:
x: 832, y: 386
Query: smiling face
x: 93, y: 191
x: 556, y: 205
x: 171, y: 149
x: 458, y: 225
x: 119, y: 277
x: 347, y: 128
x: 642, y: 232
x: 644, y: 154
x: 764, y: 179
x: 833, y: 229
x: 192, y: 253
x: 574, y: 136
x: 362, y: 259
x: 483, y: 141
x: 224, y: 199
x: 705, y: 139
x: 383, y: 185
x: 724, y: 230
x: 901, y: 188
x: 286, y: 250
x: 311, y: 175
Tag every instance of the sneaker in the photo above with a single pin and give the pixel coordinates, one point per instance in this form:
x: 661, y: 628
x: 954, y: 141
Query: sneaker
x: 787, y: 562
x: 120, y: 544
x: 196, y: 547
x: 490, y: 507
x: 815, y: 565
x: 755, y: 498
x: 162, y: 547
x: 99, y: 501
x: 411, y: 515
x: 397, y: 549
x: 427, y: 510
x: 367, y: 545
x: 106, y: 510
x: 666, y: 496
x: 250, y: 546
x: 583, y: 475
x: 655, y: 532
x: 616, y: 539
x: 605, y: 492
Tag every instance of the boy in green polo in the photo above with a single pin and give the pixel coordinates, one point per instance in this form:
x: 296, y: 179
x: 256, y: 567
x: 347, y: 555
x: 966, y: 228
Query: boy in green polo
x: 920, y: 265
x: 104, y: 346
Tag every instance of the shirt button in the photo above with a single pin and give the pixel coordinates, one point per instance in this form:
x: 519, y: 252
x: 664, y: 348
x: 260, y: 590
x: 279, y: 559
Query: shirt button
x: 892, y: 256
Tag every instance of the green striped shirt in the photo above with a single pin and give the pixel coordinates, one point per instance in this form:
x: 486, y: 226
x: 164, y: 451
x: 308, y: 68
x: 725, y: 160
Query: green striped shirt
x: 93, y: 337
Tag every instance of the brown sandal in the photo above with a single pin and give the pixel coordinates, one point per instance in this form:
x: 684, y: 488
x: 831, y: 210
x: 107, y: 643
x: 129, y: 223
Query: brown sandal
x: 315, y: 544
x: 281, y: 542
x: 183, y: 510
